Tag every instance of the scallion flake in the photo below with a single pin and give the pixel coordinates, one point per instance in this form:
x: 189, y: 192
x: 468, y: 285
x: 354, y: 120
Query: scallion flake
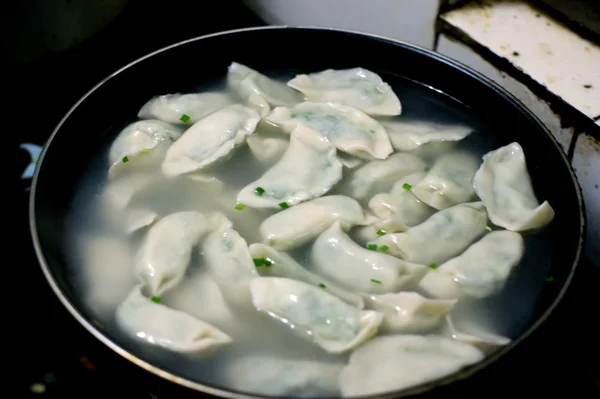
x: 372, y: 247
x: 239, y: 207
x: 145, y: 150
x: 433, y: 266
x: 406, y: 186
x: 549, y: 279
x: 259, y: 191
x: 384, y: 248
x: 380, y: 232
x: 155, y: 299
x: 284, y: 205
x: 375, y: 281
x: 322, y: 285
x: 185, y: 118
x: 125, y: 159
x: 488, y: 228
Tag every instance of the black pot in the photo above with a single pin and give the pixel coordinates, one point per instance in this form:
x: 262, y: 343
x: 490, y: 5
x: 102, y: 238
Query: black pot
x: 173, y: 69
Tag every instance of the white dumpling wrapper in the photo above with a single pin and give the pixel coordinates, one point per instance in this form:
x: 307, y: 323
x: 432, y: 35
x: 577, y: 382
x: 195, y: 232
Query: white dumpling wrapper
x: 308, y: 169
x: 349, y: 130
x: 260, y: 91
x: 410, y: 312
x: 300, y: 224
x: 267, y: 150
x: 483, y: 340
x: 336, y: 256
x: 315, y: 314
x: 283, y: 377
x: 174, y: 330
x: 504, y: 185
x: 280, y: 264
x: 210, y: 139
x: 139, y: 218
x: 380, y: 175
x: 395, y: 362
x: 171, y: 108
x: 449, y: 182
x: 166, y: 251
x: 478, y: 272
x: 356, y: 87
x: 443, y: 236
x: 407, y: 135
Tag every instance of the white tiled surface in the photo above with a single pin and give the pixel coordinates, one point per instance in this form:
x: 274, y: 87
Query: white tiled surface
x: 554, y: 56
x: 586, y: 161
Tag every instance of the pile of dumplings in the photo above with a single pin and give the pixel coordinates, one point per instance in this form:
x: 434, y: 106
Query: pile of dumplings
x: 399, y: 224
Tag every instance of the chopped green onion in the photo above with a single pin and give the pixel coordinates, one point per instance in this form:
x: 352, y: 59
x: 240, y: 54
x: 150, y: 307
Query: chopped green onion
x: 239, y: 207
x: 376, y: 281
x: 145, y: 150
x: 488, y: 228
x: 155, y: 299
x: 372, y: 247
x: 258, y: 262
x: 322, y: 285
x: 384, y: 248
x: 380, y: 232
x: 259, y: 191
x: 125, y: 159
x: 406, y: 186
x: 433, y: 266
x: 549, y: 279
x: 284, y: 205
x: 427, y: 169
x: 185, y: 118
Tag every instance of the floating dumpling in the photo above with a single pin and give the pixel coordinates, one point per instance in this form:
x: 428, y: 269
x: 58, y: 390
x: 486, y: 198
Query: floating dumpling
x: 483, y: 340
x: 396, y: 362
x: 183, y: 108
x: 449, y: 182
x: 340, y: 259
x: 300, y: 224
x: 348, y: 129
x: 167, y: 249
x: 155, y: 324
x: 503, y: 184
x: 407, y: 135
x: 410, y: 312
x: 258, y: 90
x: 443, y: 236
x: 308, y: 169
x: 314, y: 313
x: 210, y: 139
x: 272, y: 263
x: 480, y: 271
x: 356, y: 87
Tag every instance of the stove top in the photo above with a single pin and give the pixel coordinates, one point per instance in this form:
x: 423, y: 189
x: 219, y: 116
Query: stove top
x: 60, y: 359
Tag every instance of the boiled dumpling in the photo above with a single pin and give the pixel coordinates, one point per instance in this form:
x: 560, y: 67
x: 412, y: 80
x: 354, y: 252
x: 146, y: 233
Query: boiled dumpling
x: 407, y: 135
x: 272, y: 263
x: 210, y: 139
x: 266, y: 149
x: 396, y: 362
x: 337, y: 257
x: 308, y: 169
x: 444, y: 235
x: 348, y: 129
x: 183, y: 108
x: 503, y: 184
x: 300, y: 224
x: 139, y: 218
x: 410, y: 312
x: 167, y: 249
x: 355, y: 87
x: 480, y: 271
x: 260, y: 91
x: 376, y: 227
x: 314, y: 313
x: 483, y: 340
x: 449, y: 182
x: 156, y: 324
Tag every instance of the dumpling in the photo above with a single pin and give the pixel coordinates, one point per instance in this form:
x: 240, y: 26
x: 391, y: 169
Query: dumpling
x: 449, y: 182
x: 260, y: 91
x: 335, y: 256
x: 401, y: 204
x: 138, y: 140
x: 314, y: 313
x: 300, y: 224
x: 396, y: 362
x: 410, y: 312
x: 443, y: 236
x: 407, y: 135
x: 155, y: 324
x: 355, y: 87
x: 210, y: 139
x: 483, y: 340
x: 267, y: 150
x: 348, y: 129
x: 272, y: 263
x: 228, y: 259
x: 375, y: 228
x: 183, y: 108
x: 308, y: 169
x: 503, y: 184
x: 167, y: 249
x: 282, y: 377
x: 380, y: 175
x: 480, y: 271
